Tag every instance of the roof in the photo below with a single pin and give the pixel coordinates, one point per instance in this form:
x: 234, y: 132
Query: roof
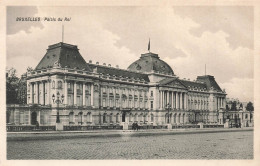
x: 119, y: 72
x: 150, y: 62
x: 210, y: 82
x: 173, y: 82
x: 193, y: 84
x: 65, y: 55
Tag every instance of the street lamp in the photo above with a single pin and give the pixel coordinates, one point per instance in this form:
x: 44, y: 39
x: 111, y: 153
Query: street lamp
x: 58, y: 101
x: 168, y: 106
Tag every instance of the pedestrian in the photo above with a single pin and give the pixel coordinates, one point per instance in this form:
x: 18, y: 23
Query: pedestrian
x: 37, y: 125
x: 137, y: 127
x: 133, y: 126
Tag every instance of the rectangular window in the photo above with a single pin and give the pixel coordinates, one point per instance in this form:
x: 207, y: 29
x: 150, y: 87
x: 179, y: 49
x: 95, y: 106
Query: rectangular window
x: 104, y: 103
x: 117, y: 103
x: 151, y: 104
x: 151, y: 93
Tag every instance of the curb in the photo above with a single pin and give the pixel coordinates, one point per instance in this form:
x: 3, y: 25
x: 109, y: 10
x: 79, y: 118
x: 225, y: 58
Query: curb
x: 68, y: 135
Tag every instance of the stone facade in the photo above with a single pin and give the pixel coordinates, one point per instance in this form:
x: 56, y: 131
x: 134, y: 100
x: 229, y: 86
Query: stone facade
x: 93, y: 94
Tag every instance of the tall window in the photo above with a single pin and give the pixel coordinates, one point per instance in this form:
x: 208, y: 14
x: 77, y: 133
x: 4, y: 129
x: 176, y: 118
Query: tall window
x: 105, y: 118
x: 151, y: 93
x: 53, y: 84
x: 152, y: 118
x: 104, y: 103
x: 71, y: 117
x: 59, y: 84
x: 151, y: 104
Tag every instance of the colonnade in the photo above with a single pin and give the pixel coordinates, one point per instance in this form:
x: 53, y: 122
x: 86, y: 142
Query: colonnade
x: 41, y: 92
x: 125, y: 98
x: 220, y: 102
x: 176, y: 99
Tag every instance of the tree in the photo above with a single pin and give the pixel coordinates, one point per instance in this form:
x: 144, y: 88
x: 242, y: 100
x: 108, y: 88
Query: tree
x: 227, y: 107
x: 12, y: 84
x: 16, y: 88
x: 250, y: 108
x: 234, y: 106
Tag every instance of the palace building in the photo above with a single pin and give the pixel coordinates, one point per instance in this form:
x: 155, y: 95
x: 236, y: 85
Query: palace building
x: 65, y: 88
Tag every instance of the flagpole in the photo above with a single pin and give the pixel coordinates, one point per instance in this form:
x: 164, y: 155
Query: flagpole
x: 62, y: 33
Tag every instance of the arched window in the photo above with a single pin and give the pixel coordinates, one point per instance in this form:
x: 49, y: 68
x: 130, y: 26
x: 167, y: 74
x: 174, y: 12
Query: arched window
x: 104, y: 118
x: 80, y: 118
x: 89, y: 117
x: 136, y: 117
x: 117, y: 117
x: 111, y: 118
x: 130, y: 117
x: 145, y: 118
x: 71, y: 118
x: 53, y: 84
x: 59, y: 84
x: 99, y: 118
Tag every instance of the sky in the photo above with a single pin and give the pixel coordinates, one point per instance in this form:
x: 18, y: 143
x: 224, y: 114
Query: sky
x: 185, y: 37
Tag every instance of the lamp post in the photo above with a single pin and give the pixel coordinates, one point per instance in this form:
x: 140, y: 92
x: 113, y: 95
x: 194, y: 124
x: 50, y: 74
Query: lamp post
x: 168, y: 106
x: 58, y: 101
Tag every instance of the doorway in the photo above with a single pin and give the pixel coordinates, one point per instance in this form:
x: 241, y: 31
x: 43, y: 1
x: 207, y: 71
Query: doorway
x: 33, y: 118
x: 123, y: 117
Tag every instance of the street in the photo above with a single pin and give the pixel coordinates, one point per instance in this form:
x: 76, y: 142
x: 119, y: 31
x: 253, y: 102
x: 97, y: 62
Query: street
x: 220, y: 145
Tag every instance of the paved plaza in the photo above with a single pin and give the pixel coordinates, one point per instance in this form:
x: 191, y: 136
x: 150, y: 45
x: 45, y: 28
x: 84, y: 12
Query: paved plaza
x: 219, y: 145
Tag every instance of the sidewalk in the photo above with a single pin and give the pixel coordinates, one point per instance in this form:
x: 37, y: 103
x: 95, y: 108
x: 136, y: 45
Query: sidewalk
x: 49, y: 135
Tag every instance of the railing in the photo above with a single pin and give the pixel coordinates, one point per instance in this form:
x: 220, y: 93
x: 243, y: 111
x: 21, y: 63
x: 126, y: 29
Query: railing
x: 84, y: 128
x: 213, y: 126
x: 185, y: 126
x: 29, y: 128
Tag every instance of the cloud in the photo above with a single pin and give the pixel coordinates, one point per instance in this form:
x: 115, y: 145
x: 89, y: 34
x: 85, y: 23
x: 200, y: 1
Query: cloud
x: 118, y: 35
x: 14, y: 26
x: 236, y: 21
x: 240, y: 88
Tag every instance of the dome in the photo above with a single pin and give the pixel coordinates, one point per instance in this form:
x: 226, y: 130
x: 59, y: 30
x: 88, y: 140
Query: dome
x: 150, y: 62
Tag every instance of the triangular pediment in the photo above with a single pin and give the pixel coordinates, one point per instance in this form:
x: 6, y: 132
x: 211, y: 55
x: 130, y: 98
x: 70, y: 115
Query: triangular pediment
x: 172, y: 82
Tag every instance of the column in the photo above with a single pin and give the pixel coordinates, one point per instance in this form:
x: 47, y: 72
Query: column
x: 114, y: 93
x: 49, y: 92
x: 172, y: 103
x: 31, y: 93
x: 107, y: 100
x: 92, y: 95
x: 177, y: 100
x: 185, y: 101
x: 36, y: 93
x: 101, y: 96
x: 168, y: 97
x: 42, y: 93
x: 181, y: 101
x: 75, y: 93
x: 65, y: 92
x: 84, y: 94
x: 218, y: 103
x: 160, y: 98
